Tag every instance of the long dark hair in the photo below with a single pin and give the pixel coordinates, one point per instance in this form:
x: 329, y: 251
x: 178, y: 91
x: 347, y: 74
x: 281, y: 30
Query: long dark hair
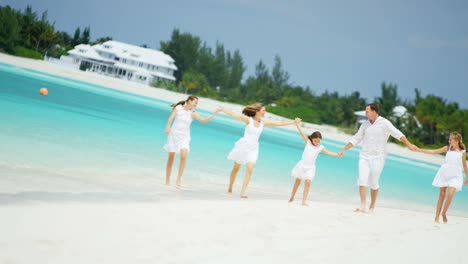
x: 316, y: 134
x: 251, y: 110
x: 190, y: 98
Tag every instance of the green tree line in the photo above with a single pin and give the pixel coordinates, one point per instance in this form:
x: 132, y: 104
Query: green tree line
x: 24, y: 33
x: 219, y: 74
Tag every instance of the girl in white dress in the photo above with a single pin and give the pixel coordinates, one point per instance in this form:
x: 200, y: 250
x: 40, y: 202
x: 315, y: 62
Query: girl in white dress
x: 178, y: 139
x: 449, y: 176
x: 245, y: 150
x: 305, y: 168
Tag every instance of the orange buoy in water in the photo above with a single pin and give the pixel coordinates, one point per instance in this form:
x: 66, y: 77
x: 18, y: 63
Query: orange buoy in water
x: 43, y: 91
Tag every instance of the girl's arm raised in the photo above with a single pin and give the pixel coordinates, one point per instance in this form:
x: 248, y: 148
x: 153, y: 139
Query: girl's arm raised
x: 169, y: 121
x: 206, y: 119
x: 433, y: 151
x: 284, y: 123
x: 304, y: 137
x: 242, y: 118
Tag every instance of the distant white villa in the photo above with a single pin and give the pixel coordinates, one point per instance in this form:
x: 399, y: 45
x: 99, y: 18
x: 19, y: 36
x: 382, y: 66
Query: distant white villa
x: 121, y: 60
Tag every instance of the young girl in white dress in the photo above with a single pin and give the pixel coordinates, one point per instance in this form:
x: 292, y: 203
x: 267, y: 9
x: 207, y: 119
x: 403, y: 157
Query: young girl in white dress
x: 178, y: 139
x: 449, y: 176
x: 245, y: 150
x: 305, y: 168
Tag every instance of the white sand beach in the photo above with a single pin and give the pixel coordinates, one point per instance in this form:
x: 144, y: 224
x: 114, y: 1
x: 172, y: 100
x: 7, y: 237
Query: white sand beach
x: 56, y: 220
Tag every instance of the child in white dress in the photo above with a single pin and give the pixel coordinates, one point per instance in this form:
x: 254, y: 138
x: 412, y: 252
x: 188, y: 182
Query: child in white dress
x: 305, y: 168
x: 178, y: 138
x: 245, y: 150
x: 449, y: 176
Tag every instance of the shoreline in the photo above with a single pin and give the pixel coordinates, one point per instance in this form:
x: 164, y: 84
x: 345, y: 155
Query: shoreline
x: 207, y: 104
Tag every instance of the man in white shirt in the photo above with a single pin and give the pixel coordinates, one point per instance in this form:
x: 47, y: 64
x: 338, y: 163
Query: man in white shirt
x: 373, y: 136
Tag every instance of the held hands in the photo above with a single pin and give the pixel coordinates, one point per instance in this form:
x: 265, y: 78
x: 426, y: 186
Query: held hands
x: 168, y: 130
x: 413, y: 147
x: 297, y: 120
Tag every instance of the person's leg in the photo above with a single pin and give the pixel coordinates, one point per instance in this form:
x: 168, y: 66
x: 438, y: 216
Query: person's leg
x: 306, y: 192
x: 183, y: 158
x: 451, y: 192
x: 170, y: 161
x: 364, y: 171
x: 362, y: 196
x: 232, y: 177
x: 440, y: 202
x: 248, y: 173
x: 373, y: 194
x: 296, y: 185
x: 376, y: 167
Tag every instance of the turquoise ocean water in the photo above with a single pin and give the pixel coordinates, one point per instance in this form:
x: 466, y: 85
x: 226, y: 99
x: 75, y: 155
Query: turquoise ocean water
x: 90, y: 131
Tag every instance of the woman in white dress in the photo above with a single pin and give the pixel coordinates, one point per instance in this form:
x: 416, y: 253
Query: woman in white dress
x: 449, y: 176
x: 178, y: 139
x: 245, y: 150
x: 305, y: 168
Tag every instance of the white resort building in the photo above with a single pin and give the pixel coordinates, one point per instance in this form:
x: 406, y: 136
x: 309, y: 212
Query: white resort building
x: 121, y: 60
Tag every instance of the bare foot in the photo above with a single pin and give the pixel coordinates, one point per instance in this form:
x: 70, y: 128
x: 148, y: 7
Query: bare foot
x: 444, y: 218
x: 179, y: 184
x: 291, y: 200
x: 305, y: 204
x: 359, y: 210
x: 371, y: 210
x: 244, y: 196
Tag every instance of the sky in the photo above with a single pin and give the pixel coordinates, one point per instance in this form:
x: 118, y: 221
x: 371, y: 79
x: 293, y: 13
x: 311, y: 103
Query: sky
x: 335, y: 46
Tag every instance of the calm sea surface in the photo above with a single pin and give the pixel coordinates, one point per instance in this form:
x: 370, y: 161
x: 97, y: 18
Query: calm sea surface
x: 90, y: 131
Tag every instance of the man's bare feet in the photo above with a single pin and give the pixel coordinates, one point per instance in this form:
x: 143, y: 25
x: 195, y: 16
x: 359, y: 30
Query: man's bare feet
x: 444, y: 218
x: 359, y: 210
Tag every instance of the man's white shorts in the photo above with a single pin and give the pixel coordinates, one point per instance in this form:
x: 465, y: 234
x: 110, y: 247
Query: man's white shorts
x: 369, y: 172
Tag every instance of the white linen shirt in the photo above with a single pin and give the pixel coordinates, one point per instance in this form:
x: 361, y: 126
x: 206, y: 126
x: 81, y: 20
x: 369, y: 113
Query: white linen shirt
x: 373, y: 138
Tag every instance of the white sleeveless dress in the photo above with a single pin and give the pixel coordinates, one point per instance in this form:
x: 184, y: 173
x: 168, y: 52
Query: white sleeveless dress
x: 305, y: 168
x: 179, y: 137
x: 450, y: 173
x: 246, y: 149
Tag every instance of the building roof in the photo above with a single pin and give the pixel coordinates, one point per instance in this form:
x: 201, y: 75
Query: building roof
x: 399, y: 111
x: 85, y: 50
x: 140, y: 54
